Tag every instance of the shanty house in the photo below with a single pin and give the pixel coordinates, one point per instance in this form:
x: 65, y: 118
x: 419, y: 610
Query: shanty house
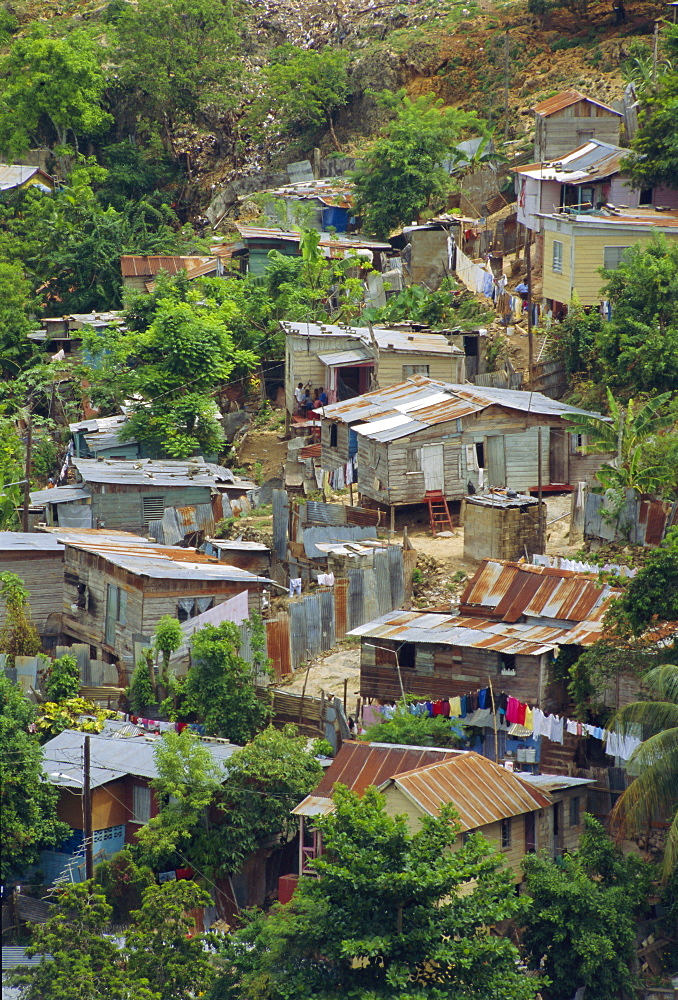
x: 577, y: 246
x: 559, y: 829
x: 342, y: 358
x: 255, y: 557
x: 39, y: 560
x: 118, y: 586
x: 122, y: 767
x: 585, y: 178
x: 139, y: 271
x: 142, y: 496
x: 256, y: 243
x: 488, y: 799
x: 426, y: 435
x: 63, y: 334
x: 16, y: 176
x: 100, y: 438
x: 513, y: 619
x: 570, y: 119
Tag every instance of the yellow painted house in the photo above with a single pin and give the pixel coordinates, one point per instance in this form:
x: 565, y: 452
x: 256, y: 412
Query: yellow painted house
x: 576, y: 247
x: 15, y: 176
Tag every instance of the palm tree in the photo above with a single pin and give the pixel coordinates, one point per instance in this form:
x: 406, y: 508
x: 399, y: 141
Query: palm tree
x: 626, y: 433
x: 653, y: 795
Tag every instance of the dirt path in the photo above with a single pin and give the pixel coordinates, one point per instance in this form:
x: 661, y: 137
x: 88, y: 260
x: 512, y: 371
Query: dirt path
x: 328, y: 672
x: 263, y: 448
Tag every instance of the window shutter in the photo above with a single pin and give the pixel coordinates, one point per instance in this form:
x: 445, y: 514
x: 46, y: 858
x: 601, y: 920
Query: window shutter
x: 613, y: 257
x: 558, y: 256
x: 153, y: 508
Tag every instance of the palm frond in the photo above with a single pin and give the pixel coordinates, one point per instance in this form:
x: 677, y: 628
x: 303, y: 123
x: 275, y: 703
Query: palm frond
x: 654, y: 716
x: 663, y: 682
x: 670, y: 850
x: 653, y: 795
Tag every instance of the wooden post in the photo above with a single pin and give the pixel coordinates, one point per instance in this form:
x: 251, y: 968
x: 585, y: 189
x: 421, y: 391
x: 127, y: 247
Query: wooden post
x: 530, y: 344
x: 345, y: 693
x: 87, y: 809
x: 27, y: 473
x: 350, y: 490
x: 494, y: 716
x: 392, y: 530
x: 542, y: 540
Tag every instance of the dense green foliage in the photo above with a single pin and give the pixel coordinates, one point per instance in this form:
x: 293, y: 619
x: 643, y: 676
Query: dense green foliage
x: 652, y: 595
x: 423, y: 930
x: 654, y: 159
x: 63, y: 678
x: 162, y: 956
x: 581, y: 928
x: 28, y: 817
x: 18, y: 635
x: 402, y: 173
x: 414, y: 730
x: 653, y: 796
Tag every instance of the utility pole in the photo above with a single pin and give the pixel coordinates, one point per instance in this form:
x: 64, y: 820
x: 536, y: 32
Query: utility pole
x: 530, y: 344
x: 506, y: 85
x: 87, y: 810
x: 542, y: 540
x: 27, y: 474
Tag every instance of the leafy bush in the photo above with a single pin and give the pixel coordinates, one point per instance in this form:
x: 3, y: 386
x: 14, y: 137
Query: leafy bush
x: 63, y: 678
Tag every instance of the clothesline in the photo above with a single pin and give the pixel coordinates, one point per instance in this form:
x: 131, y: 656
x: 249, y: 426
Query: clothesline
x: 476, y: 709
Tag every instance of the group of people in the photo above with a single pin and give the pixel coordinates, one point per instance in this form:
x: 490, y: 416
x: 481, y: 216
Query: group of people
x: 306, y: 401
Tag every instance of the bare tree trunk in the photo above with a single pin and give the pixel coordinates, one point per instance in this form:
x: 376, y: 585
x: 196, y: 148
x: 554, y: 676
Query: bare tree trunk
x: 335, y: 141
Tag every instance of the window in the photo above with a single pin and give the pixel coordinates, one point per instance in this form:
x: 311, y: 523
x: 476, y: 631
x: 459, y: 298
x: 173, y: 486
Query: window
x: 506, y: 833
x: 530, y: 834
x: 480, y: 454
x: 333, y: 435
x: 413, y: 460
x: 414, y: 370
x: 406, y: 655
x: 507, y: 664
x: 574, y: 812
x: 116, y: 611
x: 466, y: 834
x: 646, y: 196
x: 577, y: 443
x: 612, y: 257
x: 141, y: 804
x: 557, y: 264
x: 153, y: 508
x: 191, y: 607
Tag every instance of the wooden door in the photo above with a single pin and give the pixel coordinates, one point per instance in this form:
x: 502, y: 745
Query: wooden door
x: 559, y: 456
x: 432, y: 467
x: 495, y: 459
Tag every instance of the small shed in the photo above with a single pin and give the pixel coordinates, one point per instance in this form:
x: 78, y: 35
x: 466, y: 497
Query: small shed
x: 503, y: 524
x: 100, y: 437
x: 568, y: 120
x: 255, y: 557
x: 15, y: 176
x: 139, y: 270
x: 65, y: 506
x: 39, y: 560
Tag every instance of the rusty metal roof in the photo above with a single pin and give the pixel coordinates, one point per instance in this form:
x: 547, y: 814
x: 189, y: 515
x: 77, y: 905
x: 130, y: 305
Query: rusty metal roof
x: 481, y: 791
x: 326, y: 241
x: 594, y: 160
x: 507, y: 591
x: 520, y: 638
x: 143, y: 266
x: 359, y: 765
x: 564, y: 99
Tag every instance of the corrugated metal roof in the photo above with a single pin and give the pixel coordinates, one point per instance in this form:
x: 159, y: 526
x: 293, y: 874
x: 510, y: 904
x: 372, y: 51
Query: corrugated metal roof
x: 110, y: 758
x: 13, y: 957
x: 238, y: 545
x: 591, y: 161
x: 630, y: 218
x: 451, y: 630
x: 29, y: 541
x: 15, y: 174
x: 346, y: 357
x: 59, y: 494
x: 404, y: 341
x: 428, y: 402
x: 564, y: 99
x: 143, y: 266
x: 501, y: 498
x: 509, y: 590
x: 326, y: 241
x: 314, y: 805
x: 97, y: 424
x: 481, y: 791
x: 359, y: 765
x: 145, y: 472
x: 554, y: 782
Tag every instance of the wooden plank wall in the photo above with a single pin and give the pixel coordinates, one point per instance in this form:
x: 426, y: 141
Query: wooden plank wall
x: 43, y: 575
x: 122, y: 510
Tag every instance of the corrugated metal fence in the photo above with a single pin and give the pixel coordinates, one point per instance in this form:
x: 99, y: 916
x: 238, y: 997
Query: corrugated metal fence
x: 640, y: 520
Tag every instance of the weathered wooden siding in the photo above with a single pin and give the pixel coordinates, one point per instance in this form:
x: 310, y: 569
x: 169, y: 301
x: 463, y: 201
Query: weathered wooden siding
x: 446, y: 671
x: 569, y: 835
x: 108, y: 806
x: 303, y: 364
x: 43, y: 575
x: 405, y: 478
x: 121, y: 508
x: 332, y: 457
x: 447, y: 368
x: 583, y: 468
x: 558, y: 285
x: 166, y: 601
x: 568, y: 128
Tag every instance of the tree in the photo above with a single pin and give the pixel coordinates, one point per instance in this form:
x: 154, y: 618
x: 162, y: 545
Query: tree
x: 15, y: 321
x: 221, y: 686
x: 123, y: 881
x: 187, y: 785
x: 12, y: 468
x: 654, y: 157
x: 28, y: 817
x: 70, y: 713
x: 392, y: 915
x: 654, y: 792
x: 651, y: 595
x: 84, y: 964
x: 167, y: 639
x: 266, y: 779
x: 165, y: 950
x: 178, y: 62
x: 302, y: 89
x: 18, y: 635
x: 403, y: 171
x: 59, y: 80
x: 414, y: 730
x: 172, y: 361
x: 582, y: 925
x: 63, y: 678
x: 625, y: 433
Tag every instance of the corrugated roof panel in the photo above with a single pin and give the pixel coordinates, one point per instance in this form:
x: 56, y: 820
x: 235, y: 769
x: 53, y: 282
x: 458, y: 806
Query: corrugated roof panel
x: 337, y: 358
x: 358, y: 765
x: 566, y: 98
x: 481, y: 791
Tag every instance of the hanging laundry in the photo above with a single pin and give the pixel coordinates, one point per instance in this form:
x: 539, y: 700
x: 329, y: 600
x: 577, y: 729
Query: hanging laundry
x: 484, y: 698
x: 295, y: 586
x: 455, y: 707
x: 512, y: 710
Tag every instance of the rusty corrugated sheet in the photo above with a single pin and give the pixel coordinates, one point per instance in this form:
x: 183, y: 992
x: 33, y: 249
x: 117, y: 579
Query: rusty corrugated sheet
x: 358, y: 765
x: 564, y: 99
x: 140, y: 266
x: 340, y: 607
x: 481, y: 791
